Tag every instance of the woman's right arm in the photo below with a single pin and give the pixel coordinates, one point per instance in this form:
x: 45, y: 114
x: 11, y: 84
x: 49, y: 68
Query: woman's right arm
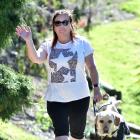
x: 35, y: 56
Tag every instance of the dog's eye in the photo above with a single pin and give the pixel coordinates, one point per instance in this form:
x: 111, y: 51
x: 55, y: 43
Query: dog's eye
x: 109, y: 121
x: 101, y: 121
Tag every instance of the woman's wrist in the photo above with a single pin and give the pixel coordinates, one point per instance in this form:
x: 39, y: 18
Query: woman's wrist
x: 29, y: 40
x: 95, y: 85
x: 29, y: 43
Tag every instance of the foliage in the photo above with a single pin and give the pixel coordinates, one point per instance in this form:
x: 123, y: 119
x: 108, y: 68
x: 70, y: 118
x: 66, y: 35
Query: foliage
x: 10, y: 11
x: 15, y: 92
x: 77, y: 14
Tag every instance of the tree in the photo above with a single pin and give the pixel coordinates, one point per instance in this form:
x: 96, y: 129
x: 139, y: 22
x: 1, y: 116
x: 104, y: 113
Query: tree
x: 15, y: 89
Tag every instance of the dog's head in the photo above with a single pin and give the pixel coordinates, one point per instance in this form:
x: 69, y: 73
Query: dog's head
x: 106, y: 123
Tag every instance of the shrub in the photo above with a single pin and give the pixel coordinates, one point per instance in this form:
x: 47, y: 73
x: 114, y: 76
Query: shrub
x: 15, y: 92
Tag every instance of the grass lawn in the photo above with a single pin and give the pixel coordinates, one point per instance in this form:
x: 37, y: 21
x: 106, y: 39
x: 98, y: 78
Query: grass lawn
x: 131, y: 6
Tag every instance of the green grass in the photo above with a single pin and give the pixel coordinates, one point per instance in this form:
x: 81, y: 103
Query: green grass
x: 131, y: 6
x: 117, y: 55
x: 8, y: 131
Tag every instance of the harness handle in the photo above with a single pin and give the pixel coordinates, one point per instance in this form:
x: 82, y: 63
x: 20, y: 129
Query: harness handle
x: 94, y: 107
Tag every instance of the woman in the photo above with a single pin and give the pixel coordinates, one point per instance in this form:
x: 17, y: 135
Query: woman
x: 67, y: 93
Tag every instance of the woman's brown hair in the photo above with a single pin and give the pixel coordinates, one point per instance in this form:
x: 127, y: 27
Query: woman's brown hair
x: 60, y: 12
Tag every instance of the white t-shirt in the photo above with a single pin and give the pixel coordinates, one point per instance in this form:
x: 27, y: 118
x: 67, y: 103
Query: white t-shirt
x: 66, y: 70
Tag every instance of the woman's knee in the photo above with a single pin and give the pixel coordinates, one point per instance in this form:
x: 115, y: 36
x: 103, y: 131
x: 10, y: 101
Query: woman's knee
x: 77, y: 136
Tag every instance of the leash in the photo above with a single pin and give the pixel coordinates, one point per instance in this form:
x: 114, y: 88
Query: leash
x: 94, y: 108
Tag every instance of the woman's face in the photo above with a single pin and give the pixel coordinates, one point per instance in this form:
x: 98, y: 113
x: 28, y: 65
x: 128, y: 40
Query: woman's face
x: 62, y: 25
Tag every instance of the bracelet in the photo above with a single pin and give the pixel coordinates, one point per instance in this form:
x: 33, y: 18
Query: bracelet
x: 95, y: 85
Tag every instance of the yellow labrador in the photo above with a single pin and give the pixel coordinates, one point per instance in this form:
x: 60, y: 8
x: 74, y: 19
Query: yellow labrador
x: 107, y: 123
x: 108, y: 118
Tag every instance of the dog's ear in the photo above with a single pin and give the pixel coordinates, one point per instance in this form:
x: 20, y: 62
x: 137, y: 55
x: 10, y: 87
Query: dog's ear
x: 117, y: 120
x: 117, y: 103
x: 106, y: 96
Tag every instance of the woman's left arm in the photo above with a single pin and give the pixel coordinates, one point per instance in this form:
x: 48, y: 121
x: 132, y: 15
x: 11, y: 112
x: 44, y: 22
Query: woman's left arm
x: 94, y: 77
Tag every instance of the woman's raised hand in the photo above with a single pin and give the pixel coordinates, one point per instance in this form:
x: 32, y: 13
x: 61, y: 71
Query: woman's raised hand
x: 24, y: 32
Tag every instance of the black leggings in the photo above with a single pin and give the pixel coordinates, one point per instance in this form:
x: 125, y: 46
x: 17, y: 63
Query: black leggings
x: 71, y: 115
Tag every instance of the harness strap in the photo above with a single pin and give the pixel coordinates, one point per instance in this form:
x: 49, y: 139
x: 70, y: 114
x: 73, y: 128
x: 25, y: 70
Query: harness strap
x: 114, y: 131
x: 103, y: 106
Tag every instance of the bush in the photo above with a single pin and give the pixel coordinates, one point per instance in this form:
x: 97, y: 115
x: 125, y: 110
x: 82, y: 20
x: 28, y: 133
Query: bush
x: 15, y: 92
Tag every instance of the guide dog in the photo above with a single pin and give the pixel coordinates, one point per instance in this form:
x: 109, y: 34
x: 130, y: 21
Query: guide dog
x: 109, y: 121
